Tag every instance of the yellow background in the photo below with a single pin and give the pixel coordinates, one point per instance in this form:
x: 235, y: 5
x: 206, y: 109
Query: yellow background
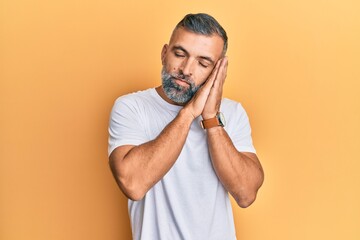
x: 294, y: 65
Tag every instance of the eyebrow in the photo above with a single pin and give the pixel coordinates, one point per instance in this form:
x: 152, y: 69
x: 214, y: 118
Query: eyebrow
x: 177, y: 47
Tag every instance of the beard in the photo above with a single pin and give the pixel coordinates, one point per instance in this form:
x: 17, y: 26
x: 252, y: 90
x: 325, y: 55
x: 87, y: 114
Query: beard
x: 175, y: 92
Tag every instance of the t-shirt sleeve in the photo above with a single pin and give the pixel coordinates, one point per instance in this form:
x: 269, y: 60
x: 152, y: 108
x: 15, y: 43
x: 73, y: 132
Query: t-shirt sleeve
x: 125, y: 126
x: 240, y: 130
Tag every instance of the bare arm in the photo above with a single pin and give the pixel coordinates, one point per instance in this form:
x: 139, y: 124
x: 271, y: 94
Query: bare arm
x: 137, y: 168
x: 240, y: 172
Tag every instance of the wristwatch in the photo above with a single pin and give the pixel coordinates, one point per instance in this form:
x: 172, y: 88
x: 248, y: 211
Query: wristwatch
x: 218, y: 120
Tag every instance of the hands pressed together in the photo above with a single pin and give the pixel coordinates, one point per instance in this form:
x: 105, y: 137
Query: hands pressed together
x: 207, y: 100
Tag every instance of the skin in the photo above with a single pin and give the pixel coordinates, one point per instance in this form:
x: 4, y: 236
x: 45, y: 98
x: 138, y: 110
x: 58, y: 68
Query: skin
x: 138, y: 168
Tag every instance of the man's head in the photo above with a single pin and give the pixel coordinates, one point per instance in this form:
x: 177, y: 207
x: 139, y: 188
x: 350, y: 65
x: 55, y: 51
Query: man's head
x: 203, y: 24
x: 196, y: 44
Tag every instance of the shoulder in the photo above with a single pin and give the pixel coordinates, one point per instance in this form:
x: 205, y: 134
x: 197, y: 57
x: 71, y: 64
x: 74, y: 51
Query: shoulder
x: 136, y: 96
x: 132, y: 103
x: 233, y: 111
x: 231, y: 106
x: 135, y: 99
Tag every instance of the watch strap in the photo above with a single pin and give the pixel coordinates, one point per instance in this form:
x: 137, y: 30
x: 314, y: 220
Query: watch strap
x: 211, y: 122
x: 216, y: 121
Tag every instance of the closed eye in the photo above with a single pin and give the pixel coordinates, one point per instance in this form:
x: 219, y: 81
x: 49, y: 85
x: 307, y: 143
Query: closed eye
x: 203, y: 64
x: 178, y: 54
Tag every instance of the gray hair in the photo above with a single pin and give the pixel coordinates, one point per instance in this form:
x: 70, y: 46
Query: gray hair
x: 202, y: 23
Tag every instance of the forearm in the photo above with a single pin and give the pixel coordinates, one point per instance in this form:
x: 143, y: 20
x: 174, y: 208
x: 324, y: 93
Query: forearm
x: 144, y: 165
x: 240, y: 173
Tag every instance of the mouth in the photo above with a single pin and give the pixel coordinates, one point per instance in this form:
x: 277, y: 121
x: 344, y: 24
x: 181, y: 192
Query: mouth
x: 182, y: 82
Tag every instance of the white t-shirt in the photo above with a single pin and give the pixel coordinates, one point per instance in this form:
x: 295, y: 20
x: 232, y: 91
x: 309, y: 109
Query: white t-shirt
x: 189, y: 202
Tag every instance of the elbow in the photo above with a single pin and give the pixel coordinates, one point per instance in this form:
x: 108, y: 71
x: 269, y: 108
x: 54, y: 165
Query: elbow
x: 246, y: 196
x: 128, y: 185
x: 245, y: 201
x: 131, y: 188
x: 132, y: 193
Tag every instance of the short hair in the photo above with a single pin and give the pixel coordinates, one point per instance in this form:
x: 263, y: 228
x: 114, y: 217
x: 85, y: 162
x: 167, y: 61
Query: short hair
x: 202, y: 23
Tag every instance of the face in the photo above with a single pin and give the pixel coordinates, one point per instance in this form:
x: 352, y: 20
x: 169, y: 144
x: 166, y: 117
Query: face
x: 187, y: 62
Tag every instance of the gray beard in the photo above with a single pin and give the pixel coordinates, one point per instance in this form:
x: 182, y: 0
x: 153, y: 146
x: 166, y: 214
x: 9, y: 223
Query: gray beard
x: 174, y: 91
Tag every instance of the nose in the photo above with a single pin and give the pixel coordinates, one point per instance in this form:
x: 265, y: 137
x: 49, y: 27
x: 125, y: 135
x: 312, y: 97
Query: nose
x: 187, y: 67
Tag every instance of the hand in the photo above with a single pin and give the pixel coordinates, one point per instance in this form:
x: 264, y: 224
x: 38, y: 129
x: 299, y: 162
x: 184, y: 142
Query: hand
x: 212, y: 105
x: 197, y: 103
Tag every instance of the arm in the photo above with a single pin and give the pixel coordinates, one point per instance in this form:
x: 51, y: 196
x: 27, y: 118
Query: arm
x: 240, y: 173
x: 137, y: 168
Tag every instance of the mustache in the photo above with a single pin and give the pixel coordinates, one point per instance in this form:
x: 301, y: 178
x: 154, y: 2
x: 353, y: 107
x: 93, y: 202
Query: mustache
x: 182, y: 76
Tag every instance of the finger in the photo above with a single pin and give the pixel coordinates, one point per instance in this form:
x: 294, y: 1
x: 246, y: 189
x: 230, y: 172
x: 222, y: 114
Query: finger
x: 210, y: 81
x: 205, y: 89
x: 224, y: 68
x: 220, y: 78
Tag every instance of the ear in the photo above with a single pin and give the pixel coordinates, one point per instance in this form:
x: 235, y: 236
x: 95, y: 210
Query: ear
x: 163, y: 53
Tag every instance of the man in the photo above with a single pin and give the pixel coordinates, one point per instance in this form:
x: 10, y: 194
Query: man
x: 170, y: 150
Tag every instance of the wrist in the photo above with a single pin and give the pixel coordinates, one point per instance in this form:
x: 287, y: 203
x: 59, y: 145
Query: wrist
x: 186, y: 114
x: 217, y: 121
x: 217, y: 130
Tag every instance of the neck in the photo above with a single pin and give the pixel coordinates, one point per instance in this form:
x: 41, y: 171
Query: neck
x: 162, y: 94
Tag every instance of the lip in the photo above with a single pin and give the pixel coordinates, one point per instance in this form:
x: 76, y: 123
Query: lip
x: 181, y: 82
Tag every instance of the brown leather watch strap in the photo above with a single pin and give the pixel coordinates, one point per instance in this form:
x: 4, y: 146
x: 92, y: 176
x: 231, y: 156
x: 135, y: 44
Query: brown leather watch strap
x: 211, y: 122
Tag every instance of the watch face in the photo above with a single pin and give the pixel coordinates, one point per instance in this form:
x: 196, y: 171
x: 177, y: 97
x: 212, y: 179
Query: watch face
x: 221, y: 119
